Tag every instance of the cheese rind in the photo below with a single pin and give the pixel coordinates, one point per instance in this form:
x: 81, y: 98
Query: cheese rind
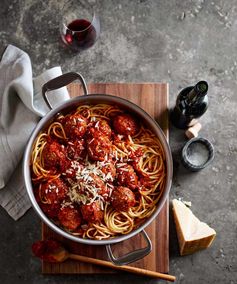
x: 193, y: 235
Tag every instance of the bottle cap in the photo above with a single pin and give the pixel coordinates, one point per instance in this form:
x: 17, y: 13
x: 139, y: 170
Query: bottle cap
x: 197, y: 153
x: 201, y: 87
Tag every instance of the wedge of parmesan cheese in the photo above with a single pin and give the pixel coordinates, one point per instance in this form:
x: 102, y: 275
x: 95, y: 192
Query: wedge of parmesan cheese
x: 193, y: 235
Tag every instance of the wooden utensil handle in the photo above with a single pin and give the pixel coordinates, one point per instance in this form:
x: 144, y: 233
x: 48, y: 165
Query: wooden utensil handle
x: 127, y: 268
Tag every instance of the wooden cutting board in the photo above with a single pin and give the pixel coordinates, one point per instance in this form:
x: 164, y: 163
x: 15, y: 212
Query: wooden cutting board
x: 153, y: 98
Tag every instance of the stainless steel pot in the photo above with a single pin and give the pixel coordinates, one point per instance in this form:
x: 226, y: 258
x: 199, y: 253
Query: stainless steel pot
x: 62, y: 81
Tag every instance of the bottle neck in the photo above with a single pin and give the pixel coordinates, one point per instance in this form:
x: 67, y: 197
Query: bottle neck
x: 197, y: 93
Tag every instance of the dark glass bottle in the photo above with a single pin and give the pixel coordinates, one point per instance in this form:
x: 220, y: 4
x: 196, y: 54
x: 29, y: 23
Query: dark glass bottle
x: 191, y: 103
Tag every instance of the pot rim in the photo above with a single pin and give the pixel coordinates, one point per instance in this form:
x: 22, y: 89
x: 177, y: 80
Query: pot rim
x: 137, y: 110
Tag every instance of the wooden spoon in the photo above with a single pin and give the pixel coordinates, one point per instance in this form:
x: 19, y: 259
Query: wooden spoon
x: 53, y: 251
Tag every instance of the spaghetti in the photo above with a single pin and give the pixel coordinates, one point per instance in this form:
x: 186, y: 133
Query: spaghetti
x: 97, y: 172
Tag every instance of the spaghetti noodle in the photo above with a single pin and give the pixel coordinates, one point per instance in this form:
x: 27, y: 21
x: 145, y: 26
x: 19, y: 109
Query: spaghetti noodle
x: 97, y: 172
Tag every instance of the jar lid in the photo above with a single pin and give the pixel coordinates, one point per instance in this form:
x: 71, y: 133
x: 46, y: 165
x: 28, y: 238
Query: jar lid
x: 197, y: 153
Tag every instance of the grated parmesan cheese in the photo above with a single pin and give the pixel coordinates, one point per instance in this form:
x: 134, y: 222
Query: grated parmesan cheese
x: 97, y: 124
x: 84, y: 189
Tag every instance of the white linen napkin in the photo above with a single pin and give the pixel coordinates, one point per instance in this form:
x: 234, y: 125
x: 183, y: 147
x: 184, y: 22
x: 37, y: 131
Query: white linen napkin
x: 21, y: 106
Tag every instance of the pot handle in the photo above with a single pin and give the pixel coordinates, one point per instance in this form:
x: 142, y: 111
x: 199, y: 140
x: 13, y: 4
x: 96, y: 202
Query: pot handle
x: 131, y: 256
x: 62, y: 81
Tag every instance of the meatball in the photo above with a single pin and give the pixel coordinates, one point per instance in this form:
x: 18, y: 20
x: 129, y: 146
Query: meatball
x: 109, y: 170
x: 99, y: 148
x: 51, y: 210
x: 126, y: 176
x: 74, y: 126
x: 96, y: 182
x: 122, y: 198
x: 69, y: 217
x: 125, y: 124
x: 136, y: 157
x: 53, y: 154
x: 70, y: 169
x: 53, y: 191
x: 76, y: 149
x: 99, y: 127
x: 92, y: 212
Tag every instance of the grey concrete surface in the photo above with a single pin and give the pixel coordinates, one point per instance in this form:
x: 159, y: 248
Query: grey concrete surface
x: 179, y: 42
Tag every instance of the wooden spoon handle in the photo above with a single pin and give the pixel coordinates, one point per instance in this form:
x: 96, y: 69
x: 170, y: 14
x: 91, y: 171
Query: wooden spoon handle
x: 127, y: 268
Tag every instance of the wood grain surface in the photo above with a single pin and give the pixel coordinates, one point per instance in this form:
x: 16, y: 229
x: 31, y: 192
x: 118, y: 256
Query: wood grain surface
x: 153, y: 98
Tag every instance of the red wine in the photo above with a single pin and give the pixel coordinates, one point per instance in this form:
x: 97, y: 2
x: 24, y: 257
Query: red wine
x: 79, y: 25
x: 80, y: 34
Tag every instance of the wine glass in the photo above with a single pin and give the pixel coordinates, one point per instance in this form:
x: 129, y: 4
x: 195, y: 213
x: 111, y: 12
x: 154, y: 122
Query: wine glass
x: 80, y: 27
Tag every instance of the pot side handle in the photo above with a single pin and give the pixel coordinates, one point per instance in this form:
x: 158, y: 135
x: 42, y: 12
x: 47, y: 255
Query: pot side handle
x: 131, y: 256
x: 62, y: 81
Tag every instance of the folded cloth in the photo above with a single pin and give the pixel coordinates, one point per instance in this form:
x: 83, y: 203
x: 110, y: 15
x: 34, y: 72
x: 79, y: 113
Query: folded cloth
x: 21, y: 106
